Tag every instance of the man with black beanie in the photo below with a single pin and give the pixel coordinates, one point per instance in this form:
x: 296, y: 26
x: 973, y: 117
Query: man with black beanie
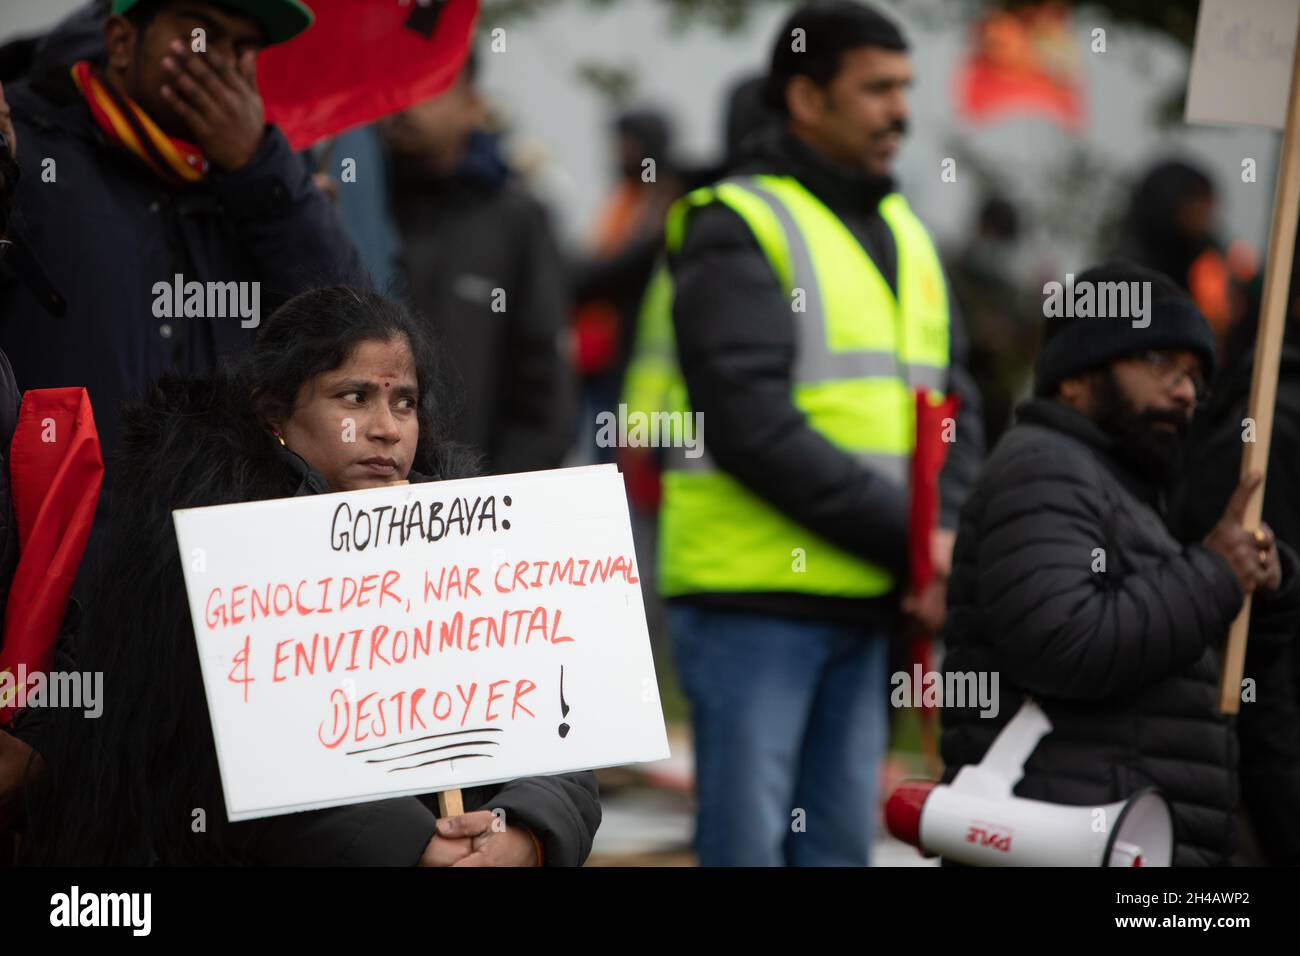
x: 1068, y: 584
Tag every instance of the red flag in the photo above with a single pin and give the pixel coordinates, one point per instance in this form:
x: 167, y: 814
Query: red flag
x: 55, y: 471
x: 932, y: 416
x: 362, y: 61
x: 927, y: 461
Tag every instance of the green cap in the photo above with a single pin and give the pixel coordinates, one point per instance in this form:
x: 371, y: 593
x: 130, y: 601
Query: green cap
x: 280, y: 20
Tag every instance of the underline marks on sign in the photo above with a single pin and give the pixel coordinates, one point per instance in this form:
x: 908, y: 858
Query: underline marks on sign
x: 428, y: 750
x: 428, y: 763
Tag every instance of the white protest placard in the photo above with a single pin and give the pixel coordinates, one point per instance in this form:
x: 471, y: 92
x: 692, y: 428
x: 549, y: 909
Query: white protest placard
x: 1241, y: 62
x: 403, y: 640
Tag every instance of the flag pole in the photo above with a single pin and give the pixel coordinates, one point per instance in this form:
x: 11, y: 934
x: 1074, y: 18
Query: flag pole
x: 1268, y: 351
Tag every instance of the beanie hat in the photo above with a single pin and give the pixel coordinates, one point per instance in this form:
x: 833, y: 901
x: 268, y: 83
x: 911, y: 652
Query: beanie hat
x: 1112, y: 311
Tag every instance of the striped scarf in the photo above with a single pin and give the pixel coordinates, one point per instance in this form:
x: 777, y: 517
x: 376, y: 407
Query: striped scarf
x: 173, y: 160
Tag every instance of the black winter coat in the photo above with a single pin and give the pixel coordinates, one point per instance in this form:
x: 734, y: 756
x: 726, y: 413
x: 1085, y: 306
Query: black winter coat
x: 1123, y: 661
x: 98, y: 231
x: 191, y: 443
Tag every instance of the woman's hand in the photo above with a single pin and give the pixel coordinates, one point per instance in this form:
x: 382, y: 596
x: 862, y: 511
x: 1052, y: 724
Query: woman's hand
x: 512, y: 846
x: 444, y: 852
x: 476, y: 839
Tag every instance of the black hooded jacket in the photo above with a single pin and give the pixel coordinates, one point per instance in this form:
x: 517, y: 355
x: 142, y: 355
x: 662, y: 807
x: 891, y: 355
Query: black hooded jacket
x: 96, y: 232
x: 736, y: 346
x: 190, y: 443
x: 1069, y: 586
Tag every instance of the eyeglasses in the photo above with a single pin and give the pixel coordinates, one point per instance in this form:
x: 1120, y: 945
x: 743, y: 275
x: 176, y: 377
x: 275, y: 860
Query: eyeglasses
x: 1170, y: 372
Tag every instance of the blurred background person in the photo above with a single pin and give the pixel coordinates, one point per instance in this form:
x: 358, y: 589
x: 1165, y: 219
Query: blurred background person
x: 364, y: 204
x: 482, y: 266
x: 1171, y: 226
x: 649, y: 378
x: 610, y: 280
x: 1002, y: 313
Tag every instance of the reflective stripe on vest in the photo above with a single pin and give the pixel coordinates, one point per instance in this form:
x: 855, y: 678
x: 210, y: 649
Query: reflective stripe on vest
x: 860, y: 350
x: 652, y: 363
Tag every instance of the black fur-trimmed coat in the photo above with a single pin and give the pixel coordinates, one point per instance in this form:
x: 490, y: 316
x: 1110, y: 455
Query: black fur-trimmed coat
x: 192, y: 443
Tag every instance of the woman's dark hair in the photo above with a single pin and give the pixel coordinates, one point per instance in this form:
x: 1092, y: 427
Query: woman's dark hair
x: 829, y: 30
x: 315, y: 332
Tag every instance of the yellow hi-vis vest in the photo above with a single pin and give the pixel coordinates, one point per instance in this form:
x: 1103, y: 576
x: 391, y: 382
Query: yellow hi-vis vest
x: 860, y: 353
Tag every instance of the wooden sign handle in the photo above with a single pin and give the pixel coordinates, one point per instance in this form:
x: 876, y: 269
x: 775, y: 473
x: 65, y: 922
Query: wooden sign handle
x: 450, y: 803
x: 1268, y: 350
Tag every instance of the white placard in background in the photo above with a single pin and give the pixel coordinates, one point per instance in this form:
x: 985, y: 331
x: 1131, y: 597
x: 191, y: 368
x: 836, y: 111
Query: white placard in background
x: 402, y: 640
x: 1241, y: 62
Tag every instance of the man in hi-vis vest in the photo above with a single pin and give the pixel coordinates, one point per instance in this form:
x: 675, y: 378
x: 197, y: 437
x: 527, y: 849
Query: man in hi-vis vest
x: 807, y: 305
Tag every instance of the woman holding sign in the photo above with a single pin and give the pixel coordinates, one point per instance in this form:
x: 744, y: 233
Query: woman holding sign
x: 337, y: 395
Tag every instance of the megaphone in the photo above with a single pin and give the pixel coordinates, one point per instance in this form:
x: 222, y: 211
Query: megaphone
x: 977, y: 821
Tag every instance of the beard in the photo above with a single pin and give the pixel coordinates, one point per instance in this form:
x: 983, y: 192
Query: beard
x: 1149, y: 452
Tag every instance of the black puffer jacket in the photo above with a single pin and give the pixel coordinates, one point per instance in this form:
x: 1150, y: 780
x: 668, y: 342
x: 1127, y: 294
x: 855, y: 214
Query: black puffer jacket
x: 191, y: 443
x: 1123, y: 661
